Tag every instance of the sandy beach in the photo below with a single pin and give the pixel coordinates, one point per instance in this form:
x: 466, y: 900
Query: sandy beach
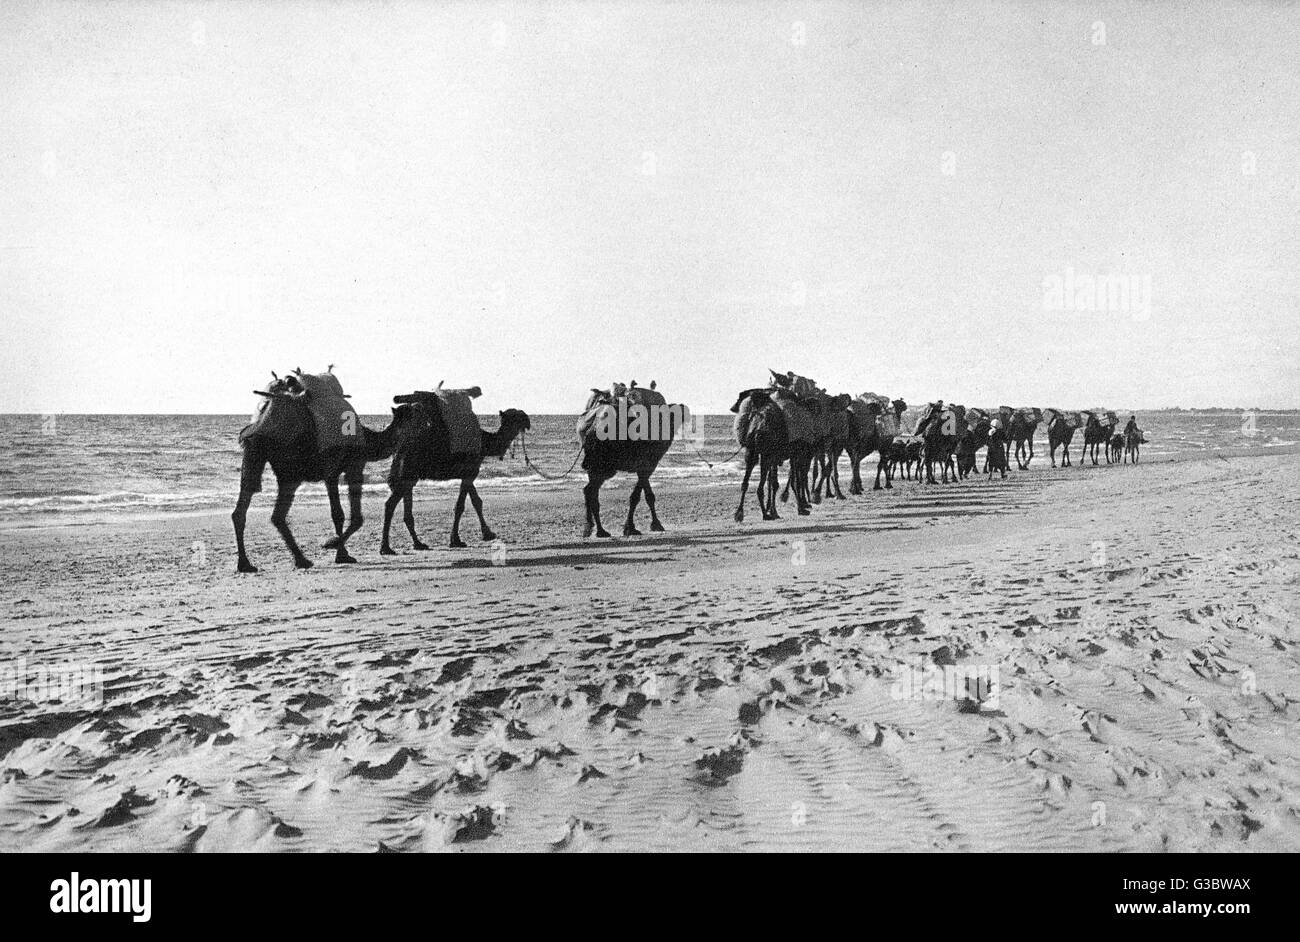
x: 715, y: 687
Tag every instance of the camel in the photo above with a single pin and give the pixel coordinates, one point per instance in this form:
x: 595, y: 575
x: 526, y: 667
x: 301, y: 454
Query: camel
x: 1060, y: 432
x: 1097, y: 433
x: 907, y: 452
x: 1020, y: 430
x: 872, y: 429
x: 424, y: 455
x: 1133, y: 441
x: 972, y: 439
x: 285, y: 438
x: 605, y: 457
x: 939, y: 427
x: 833, y: 414
x: 761, y: 429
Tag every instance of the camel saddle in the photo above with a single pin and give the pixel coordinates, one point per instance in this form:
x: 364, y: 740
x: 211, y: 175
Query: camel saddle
x: 337, y: 425
x: 464, y: 435
x: 801, y: 425
x: 606, y: 407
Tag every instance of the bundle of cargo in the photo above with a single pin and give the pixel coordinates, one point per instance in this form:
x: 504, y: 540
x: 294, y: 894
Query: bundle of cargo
x: 335, y: 422
x: 605, y: 407
x: 456, y: 406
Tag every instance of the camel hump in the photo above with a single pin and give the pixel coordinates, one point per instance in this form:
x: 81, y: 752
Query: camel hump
x: 337, y: 425
x: 645, y: 396
x: 464, y: 434
x: 801, y: 425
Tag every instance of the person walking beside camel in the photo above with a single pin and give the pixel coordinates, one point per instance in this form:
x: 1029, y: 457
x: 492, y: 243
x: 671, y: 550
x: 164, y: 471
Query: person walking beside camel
x: 997, y: 453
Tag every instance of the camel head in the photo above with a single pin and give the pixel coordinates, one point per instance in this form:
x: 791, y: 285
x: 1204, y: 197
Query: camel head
x: 841, y: 402
x: 514, y: 421
x: 899, y: 408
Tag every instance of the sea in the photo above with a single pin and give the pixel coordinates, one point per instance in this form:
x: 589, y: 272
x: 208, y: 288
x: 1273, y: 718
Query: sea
x: 62, y: 469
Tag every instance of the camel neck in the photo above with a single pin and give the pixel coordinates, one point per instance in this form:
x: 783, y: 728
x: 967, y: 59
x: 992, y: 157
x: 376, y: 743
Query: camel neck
x: 496, y: 443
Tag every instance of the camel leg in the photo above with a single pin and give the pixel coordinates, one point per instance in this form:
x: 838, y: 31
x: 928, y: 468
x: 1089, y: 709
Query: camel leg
x: 396, y: 492
x: 767, y: 486
x: 355, y: 481
x: 280, y: 520
x: 744, y: 487
x: 238, y: 517
x: 629, y: 526
x: 835, y: 474
x: 803, y: 495
x: 855, y: 482
x: 591, y: 493
x: 882, y: 465
x: 250, y: 482
x: 477, y: 503
x: 655, y: 525
x: 336, y: 512
x: 456, y: 541
x: 390, y: 504
x: 408, y: 517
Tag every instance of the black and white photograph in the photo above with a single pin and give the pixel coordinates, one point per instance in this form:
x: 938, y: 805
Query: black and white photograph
x: 650, y: 427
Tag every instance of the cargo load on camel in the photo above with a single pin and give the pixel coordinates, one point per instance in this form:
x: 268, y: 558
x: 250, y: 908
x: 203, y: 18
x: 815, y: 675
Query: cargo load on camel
x: 800, y: 386
x: 464, y: 434
x: 613, y: 413
x: 335, y: 422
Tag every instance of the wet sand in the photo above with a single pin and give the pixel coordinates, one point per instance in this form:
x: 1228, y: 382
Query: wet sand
x: 715, y: 687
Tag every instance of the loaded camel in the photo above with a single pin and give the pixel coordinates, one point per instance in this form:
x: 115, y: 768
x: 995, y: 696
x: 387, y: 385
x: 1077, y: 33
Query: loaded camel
x: 284, y: 435
x: 425, y: 455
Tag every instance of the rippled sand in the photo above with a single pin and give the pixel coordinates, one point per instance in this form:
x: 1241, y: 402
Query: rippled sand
x: 719, y: 686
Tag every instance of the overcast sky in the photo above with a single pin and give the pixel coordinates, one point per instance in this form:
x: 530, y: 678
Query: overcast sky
x: 905, y: 198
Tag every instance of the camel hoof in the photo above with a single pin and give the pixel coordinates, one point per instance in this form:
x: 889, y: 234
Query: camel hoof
x: 345, y: 558
x: 740, y: 516
x: 804, y: 511
x: 488, y: 535
x: 302, y: 562
x: 245, y: 566
x: 656, y: 526
x: 420, y: 547
x: 631, y: 531
x: 331, y: 543
x: 602, y: 532
x: 387, y: 551
x: 586, y: 531
x: 457, y: 543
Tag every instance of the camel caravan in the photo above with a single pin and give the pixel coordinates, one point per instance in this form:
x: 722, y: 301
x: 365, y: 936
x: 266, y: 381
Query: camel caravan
x: 305, y: 429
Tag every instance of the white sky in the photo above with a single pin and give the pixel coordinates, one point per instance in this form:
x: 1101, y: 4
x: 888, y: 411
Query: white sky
x: 543, y: 198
